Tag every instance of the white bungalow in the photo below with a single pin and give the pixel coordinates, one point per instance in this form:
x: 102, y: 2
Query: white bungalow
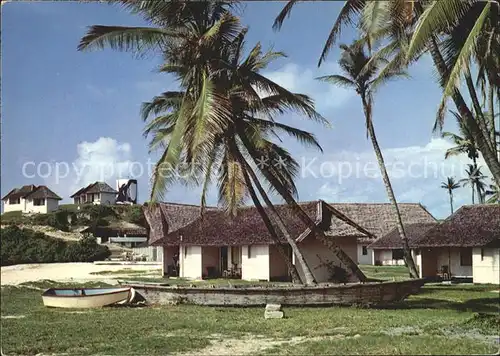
x: 241, y: 247
x: 465, y: 245
x: 31, y: 199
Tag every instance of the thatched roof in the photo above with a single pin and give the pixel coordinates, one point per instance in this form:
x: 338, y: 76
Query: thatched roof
x: 377, y: 218
x: 96, y: 187
x: 165, y: 218
x: 216, y: 228
x: 33, y: 192
x: 117, y: 228
x: 469, y: 226
x: 392, y: 240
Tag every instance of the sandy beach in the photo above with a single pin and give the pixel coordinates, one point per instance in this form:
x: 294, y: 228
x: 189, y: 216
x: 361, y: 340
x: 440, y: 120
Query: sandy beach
x: 64, y: 272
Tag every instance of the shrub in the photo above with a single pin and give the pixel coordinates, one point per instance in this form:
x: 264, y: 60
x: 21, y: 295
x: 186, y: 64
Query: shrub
x: 135, y: 215
x: 26, y: 246
x: 13, y: 218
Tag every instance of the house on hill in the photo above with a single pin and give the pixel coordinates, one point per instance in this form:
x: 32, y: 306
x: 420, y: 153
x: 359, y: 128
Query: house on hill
x: 215, y: 244
x: 31, y: 199
x: 98, y: 193
x: 378, y: 219
x: 465, y: 245
x: 388, y: 249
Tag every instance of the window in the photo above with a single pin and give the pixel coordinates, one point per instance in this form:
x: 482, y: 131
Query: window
x: 15, y: 201
x: 39, y: 202
x: 249, y: 252
x: 398, y: 254
x: 482, y: 254
x: 185, y: 251
x: 365, y: 251
x: 466, y: 257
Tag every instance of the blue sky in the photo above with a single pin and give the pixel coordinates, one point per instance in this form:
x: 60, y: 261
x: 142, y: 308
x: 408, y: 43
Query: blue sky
x: 61, y: 105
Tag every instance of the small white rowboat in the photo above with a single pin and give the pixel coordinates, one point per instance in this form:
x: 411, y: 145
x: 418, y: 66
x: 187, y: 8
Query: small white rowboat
x: 86, y: 297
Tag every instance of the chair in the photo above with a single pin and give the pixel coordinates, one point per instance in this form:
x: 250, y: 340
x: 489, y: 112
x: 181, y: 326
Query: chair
x: 445, y: 272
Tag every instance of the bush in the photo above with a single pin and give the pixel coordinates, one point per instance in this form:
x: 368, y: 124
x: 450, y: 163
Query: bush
x: 135, y: 215
x: 13, y: 218
x: 26, y: 246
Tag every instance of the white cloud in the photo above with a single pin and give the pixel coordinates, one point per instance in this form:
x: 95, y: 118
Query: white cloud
x: 302, y: 80
x: 416, y: 174
x: 102, y: 160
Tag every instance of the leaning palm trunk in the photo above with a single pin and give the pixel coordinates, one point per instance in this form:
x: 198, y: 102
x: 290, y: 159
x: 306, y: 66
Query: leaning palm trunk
x: 319, y: 234
x: 388, y: 187
x: 265, y: 218
x: 299, y: 257
x: 482, y: 142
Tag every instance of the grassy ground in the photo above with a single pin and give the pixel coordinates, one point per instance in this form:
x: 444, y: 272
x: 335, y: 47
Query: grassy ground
x: 457, y: 319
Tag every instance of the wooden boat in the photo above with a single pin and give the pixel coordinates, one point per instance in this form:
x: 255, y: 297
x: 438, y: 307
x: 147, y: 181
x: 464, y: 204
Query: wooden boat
x: 371, y: 293
x: 86, y: 297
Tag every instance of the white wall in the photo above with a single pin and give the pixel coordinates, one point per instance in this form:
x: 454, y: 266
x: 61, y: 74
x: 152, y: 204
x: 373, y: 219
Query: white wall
x: 451, y: 257
x: 190, y: 262
x: 149, y: 252
x: 312, y: 247
x: 364, y: 259
x: 486, y: 269
x: 13, y: 207
x: 31, y: 208
x: 385, y: 257
x: 52, y: 204
x: 105, y: 199
x: 257, y: 266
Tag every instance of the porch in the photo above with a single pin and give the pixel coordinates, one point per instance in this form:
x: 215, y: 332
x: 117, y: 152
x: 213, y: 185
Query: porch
x: 444, y: 262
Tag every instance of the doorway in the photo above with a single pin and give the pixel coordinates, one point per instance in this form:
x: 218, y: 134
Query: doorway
x: 223, y: 259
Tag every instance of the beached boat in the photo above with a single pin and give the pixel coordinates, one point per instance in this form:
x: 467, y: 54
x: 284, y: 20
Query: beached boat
x: 370, y: 293
x: 86, y: 297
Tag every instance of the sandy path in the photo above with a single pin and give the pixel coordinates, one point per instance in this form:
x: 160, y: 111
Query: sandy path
x: 64, y: 272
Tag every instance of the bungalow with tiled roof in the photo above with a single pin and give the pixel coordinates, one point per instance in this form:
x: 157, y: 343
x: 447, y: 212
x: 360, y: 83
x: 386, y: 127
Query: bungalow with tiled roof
x: 465, y: 245
x: 388, y: 249
x: 216, y: 244
x: 378, y: 219
x: 31, y: 199
x: 98, y: 193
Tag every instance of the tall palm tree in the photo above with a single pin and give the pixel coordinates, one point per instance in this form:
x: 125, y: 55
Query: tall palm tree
x: 494, y: 193
x: 464, y: 143
x: 449, y: 30
x: 201, y: 43
x: 475, y: 180
x: 450, y: 185
x: 361, y: 73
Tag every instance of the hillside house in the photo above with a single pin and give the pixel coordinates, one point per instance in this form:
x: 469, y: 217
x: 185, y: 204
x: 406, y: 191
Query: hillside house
x: 31, y: 199
x: 98, y: 193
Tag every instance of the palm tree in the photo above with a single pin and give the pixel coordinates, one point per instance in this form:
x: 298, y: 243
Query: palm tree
x: 464, y: 143
x: 361, y: 73
x: 450, y: 185
x: 475, y: 181
x: 494, y: 193
x: 215, y: 113
x: 450, y: 31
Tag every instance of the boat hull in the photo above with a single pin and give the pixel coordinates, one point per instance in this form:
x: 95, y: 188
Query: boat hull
x: 63, y: 298
x: 345, y: 294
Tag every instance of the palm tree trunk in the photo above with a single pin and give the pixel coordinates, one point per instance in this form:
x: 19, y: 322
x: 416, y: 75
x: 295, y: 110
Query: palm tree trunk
x: 472, y: 193
x: 352, y: 268
x: 488, y: 155
x: 265, y: 218
x: 451, y: 201
x: 308, y: 276
x: 491, y: 109
x: 388, y: 187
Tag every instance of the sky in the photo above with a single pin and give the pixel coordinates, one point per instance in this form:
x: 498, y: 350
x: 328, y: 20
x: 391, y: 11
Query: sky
x: 70, y: 118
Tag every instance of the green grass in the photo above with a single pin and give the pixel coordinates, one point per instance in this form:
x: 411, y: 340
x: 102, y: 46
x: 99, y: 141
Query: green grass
x: 457, y: 319
x: 398, y: 273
